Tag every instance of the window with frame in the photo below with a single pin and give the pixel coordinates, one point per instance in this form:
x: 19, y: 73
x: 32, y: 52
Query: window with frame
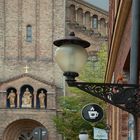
x: 95, y: 22
x: 29, y: 33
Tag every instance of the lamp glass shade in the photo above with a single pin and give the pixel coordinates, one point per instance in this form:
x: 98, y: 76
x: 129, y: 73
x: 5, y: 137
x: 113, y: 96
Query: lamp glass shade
x: 83, y: 136
x: 71, y: 57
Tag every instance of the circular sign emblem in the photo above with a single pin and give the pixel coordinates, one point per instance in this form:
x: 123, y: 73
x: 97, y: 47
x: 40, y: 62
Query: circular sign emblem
x: 92, y: 113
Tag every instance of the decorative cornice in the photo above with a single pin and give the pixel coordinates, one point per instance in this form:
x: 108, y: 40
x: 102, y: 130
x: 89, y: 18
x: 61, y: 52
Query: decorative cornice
x: 27, y: 75
x: 121, y: 18
x: 91, y: 6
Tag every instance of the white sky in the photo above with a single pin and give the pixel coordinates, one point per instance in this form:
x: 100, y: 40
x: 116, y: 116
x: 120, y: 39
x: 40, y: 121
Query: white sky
x: 103, y: 4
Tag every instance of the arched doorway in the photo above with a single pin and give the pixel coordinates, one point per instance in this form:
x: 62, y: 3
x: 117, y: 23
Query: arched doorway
x: 21, y: 130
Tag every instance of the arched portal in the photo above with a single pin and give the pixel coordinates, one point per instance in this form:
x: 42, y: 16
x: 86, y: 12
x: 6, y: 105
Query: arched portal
x: 21, y: 130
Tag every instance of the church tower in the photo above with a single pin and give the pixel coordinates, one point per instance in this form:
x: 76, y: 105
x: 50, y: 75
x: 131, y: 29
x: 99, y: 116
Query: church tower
x: 30, y: 80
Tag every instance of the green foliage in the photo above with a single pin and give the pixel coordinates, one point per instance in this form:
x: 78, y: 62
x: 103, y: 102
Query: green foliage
x: 69, y: 122
x: 94, y: 71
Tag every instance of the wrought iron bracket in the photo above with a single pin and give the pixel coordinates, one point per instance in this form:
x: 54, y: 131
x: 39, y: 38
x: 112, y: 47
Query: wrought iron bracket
x: 124, y: 96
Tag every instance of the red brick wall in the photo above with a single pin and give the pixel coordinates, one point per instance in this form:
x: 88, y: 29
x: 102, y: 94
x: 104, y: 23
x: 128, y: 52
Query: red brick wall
x: 124, y: 47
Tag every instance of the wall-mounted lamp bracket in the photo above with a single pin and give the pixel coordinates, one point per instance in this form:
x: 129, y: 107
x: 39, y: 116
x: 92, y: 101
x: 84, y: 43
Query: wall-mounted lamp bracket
x: 124, y: 96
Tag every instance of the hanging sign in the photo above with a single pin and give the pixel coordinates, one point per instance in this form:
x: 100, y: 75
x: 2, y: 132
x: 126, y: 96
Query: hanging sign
x: 100, y: 134
x: 92, y: 113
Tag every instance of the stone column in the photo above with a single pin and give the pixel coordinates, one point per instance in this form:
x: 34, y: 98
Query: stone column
x: 84, y: 19
x: 3, y: 99
x: 18, y: 98
x: 76, y: 16
x: 91, y: 21
x: 51, y: 100
x: 106, y: 30
x: 35, y: 94
x: 99, y: 25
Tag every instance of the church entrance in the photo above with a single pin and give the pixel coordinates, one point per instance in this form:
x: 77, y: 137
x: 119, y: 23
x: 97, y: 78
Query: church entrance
x: 21, y: 130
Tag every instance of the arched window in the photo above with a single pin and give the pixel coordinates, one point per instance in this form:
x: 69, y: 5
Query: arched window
x: 72, y: 13
x: 102, y: 22
x: 29, y: 33
x: 87, y: 20
x: 95, y: 22
x: 25, y: 136
x: 80, y: 16
x: 103, y: 26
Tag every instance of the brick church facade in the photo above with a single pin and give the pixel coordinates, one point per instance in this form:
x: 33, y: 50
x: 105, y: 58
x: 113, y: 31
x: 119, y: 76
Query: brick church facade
x: 27, y: 31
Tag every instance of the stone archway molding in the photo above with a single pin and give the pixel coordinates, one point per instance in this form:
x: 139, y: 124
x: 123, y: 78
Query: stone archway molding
x: 21, y: 128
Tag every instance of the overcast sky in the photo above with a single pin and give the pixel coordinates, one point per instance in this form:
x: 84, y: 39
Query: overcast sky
x: 103, y: 4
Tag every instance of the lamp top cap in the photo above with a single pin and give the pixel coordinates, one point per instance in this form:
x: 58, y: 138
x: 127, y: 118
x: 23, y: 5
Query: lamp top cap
x: 71, y: 39
x: 83, y: 132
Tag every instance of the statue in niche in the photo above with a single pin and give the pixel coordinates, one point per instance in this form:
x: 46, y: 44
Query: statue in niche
x: 11, y: 98
x: 27, y: 99
x: 42, y: 99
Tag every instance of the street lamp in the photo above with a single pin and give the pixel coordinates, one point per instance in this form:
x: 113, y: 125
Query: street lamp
x: 71, y: 55
x: 83, y: 135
